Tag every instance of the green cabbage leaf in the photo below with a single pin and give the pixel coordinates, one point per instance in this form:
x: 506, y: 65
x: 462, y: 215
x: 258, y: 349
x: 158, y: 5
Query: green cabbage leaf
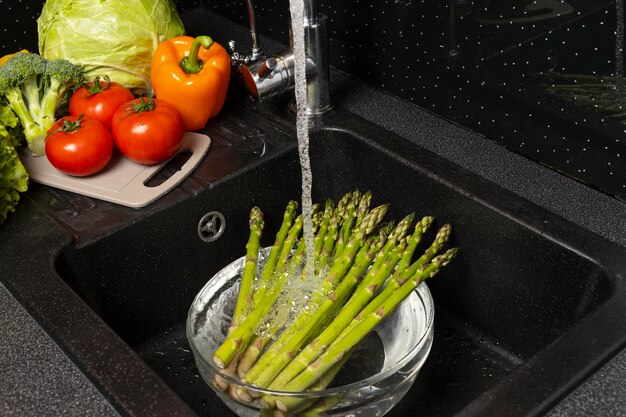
x: 108, y: 37
x: 13, y: 175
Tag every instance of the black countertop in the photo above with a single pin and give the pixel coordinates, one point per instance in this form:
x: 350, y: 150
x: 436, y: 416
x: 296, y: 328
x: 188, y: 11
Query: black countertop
x: 39, y: 377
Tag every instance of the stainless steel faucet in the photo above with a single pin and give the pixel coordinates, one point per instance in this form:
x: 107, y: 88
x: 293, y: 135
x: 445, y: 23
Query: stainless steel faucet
x: 267, y: 77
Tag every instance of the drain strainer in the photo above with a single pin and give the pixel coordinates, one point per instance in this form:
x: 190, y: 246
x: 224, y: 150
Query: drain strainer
x: 211, y: 226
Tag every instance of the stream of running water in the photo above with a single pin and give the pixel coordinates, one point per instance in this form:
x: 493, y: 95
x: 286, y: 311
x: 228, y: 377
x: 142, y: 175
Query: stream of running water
x: 296, y: 8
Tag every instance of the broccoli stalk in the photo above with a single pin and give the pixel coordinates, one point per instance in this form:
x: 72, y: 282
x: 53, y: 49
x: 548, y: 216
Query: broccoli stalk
x: 34, y: 87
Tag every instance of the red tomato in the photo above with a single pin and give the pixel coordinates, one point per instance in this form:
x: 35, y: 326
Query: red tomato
x: 79, y: 146
x: 99, y: 99
x: 148, y: 131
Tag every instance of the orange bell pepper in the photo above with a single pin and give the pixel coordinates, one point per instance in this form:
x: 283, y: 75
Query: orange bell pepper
x: 192, y: 74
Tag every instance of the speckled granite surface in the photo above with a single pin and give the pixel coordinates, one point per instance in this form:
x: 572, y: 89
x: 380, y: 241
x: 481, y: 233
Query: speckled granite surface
x: 37, y: 378
x: 604, y: 394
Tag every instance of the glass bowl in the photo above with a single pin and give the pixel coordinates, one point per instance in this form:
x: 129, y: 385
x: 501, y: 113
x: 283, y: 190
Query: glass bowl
x: 374, y: 379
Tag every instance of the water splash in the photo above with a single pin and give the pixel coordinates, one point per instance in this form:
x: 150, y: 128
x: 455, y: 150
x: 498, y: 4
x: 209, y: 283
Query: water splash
x: 296, y: 8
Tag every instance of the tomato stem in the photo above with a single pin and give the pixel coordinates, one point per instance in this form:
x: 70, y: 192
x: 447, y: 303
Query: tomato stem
x: 68, y: 126
x: 96, y: 87
x: 145, y: 104
x: 191, y: 64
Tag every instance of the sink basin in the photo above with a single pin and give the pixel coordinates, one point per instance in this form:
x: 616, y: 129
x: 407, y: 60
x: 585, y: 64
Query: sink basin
x: 530, y: 307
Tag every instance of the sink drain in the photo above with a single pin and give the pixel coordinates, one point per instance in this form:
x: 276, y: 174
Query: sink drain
x: 211, y: 226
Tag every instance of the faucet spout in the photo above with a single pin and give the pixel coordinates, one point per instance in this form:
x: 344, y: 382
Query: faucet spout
x: 257, y: 52
x: 274, y: 76
x: 311, y: 14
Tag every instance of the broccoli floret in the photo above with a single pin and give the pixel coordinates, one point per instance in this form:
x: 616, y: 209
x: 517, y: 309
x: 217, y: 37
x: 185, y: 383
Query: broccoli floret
x: 33, y: 87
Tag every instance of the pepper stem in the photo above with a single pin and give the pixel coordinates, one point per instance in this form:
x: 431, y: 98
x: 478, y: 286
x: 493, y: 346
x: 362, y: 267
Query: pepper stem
x: 191, y: 64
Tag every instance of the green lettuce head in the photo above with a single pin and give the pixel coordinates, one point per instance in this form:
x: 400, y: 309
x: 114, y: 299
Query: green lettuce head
x: 108, y: 37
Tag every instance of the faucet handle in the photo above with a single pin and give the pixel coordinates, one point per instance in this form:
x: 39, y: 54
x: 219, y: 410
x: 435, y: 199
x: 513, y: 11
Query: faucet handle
x: 237, y: 59
x: 231, y: 46
x: 267, y: 68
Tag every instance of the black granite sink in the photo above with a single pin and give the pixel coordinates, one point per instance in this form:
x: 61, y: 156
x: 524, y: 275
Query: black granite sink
x: 532, y: 305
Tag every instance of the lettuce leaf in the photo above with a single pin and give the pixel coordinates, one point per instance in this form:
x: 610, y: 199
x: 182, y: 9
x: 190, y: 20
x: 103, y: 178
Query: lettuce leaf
x: 13, y: 175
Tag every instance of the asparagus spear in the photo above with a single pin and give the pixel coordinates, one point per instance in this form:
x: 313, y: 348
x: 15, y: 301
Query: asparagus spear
x: 249, y: 272
x: 329, y: 239
x: 363, y: 208
x: 323, y: 228
x: 290, y: 242
x: 272, y: 258
x: 413, y: 241
x: 244, y: 298
x: 347, y: 224
x: 332, y: 233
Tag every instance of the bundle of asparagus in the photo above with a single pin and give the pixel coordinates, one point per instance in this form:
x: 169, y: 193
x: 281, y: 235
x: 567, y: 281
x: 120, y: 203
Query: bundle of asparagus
x: 363, y: 270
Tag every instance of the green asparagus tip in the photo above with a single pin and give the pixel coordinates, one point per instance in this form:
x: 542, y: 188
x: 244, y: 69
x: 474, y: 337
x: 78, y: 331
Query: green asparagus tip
x: 374, y: 217
x: 256, y: 215
x: 407, y: 220
x: 343, y: 202
x: 445, y: 258
x: 292, y: 206
x: 317, y: 218
x: 425, y: 222
x: 444, y: 233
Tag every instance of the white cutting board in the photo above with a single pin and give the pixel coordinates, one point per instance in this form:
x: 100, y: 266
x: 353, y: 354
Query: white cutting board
x: 122, y: 181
